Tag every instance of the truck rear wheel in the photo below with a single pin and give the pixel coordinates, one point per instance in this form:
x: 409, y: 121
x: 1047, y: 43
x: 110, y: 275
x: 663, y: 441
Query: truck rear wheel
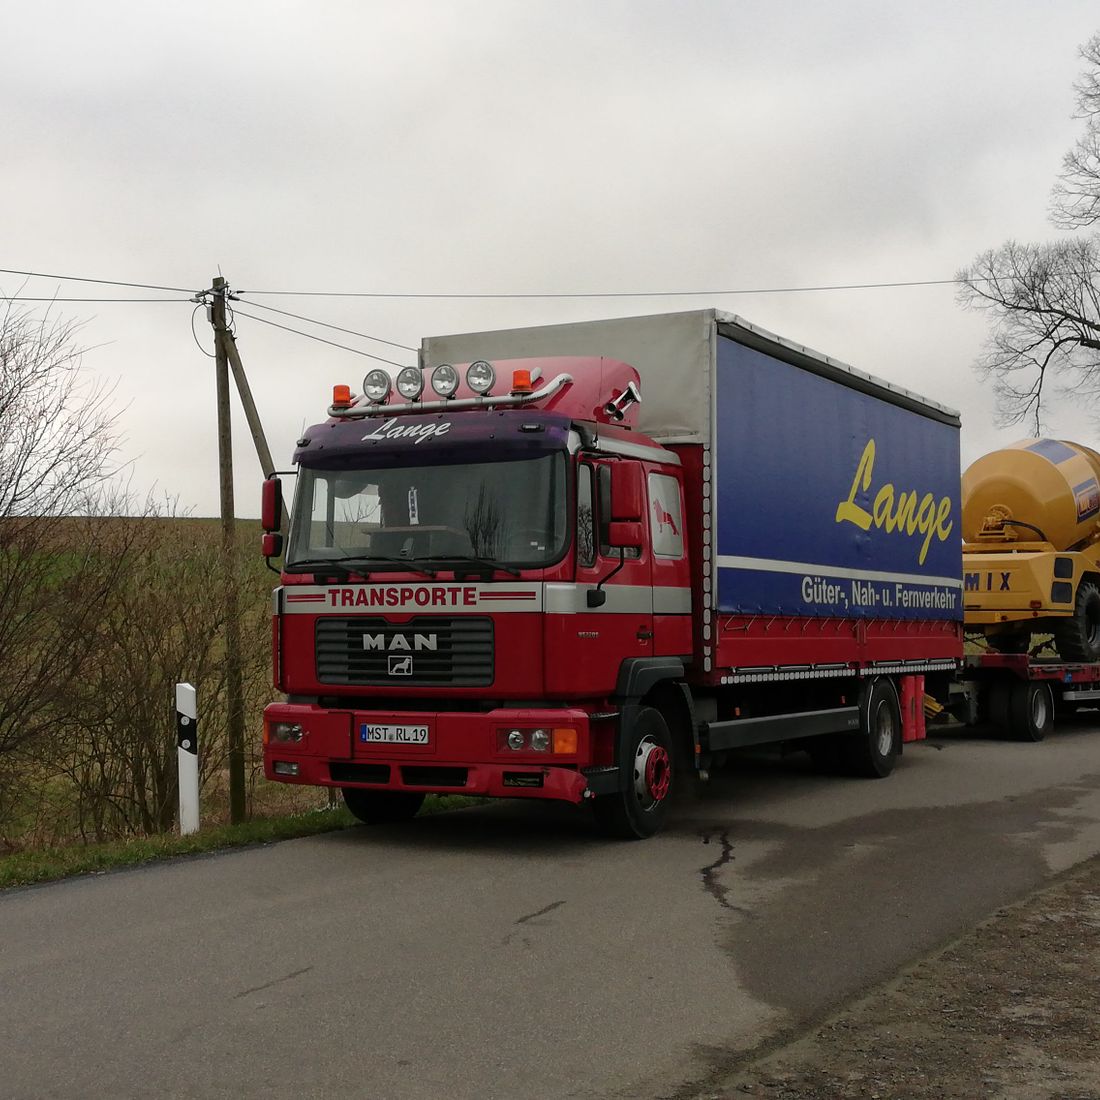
x: 639, y: 811
x: 1078, y: 638
x: 874, y: 751
x: 381, y: 807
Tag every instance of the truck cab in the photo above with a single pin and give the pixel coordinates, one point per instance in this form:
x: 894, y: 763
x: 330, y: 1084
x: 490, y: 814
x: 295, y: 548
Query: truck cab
x: 468, y: 577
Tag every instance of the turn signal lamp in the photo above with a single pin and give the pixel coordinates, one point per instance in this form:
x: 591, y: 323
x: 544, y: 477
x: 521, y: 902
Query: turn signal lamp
x: 480, y: 377
x: 565, y: 740
x: 521, y: 381
x: 376, y: 386
x: 341, y: 397
x: 445, y: 380
x: 410, y: 383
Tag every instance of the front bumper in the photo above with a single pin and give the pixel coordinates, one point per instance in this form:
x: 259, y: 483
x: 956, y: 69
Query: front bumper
x: 461, y: 756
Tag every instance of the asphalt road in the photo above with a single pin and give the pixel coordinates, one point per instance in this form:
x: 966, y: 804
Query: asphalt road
x: 507, y: 952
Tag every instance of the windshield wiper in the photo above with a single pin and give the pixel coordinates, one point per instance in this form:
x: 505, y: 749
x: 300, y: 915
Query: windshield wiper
x: 357, y: 565
x: 486, y: 564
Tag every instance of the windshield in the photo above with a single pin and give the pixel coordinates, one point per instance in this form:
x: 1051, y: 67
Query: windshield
x: 511, y: 512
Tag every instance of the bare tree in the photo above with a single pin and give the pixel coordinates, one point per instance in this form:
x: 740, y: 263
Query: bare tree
x: 1044, y: 299
x: 1075, y: 202
x: 57, y: 456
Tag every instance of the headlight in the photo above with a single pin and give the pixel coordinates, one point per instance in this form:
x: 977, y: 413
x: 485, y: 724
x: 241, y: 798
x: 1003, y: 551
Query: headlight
x: 444, y: 380
x: 285, y: 732
x: 480, y: 377
x: 410, y: 383
x: 540, y: 740
x: 376, y: 386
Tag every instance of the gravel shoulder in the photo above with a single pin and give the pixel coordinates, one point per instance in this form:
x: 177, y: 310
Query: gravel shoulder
x: 1011, y: 1011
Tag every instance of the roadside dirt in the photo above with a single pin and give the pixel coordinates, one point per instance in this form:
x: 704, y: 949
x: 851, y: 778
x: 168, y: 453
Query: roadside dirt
x: 1009, y: 1011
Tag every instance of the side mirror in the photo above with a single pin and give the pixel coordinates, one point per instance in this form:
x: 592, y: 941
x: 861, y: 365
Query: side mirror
x: 627, y: 495
x: 272, y: 544
x: 625, y: 534
x: 271, y: 509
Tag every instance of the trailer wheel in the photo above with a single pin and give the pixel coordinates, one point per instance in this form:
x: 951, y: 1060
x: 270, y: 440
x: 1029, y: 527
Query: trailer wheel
x: 1031, y: 711
x: 381, y: 807
x: 874, y: 751
x: 640, y: 810
x: 1078, y: 637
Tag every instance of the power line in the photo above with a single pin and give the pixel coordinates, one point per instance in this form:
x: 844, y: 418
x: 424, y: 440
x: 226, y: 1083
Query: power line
x: 102, y: 282
x: 319, y: 339
x: 613, y: 294
x: 325, y: 324
x: 22, y: 298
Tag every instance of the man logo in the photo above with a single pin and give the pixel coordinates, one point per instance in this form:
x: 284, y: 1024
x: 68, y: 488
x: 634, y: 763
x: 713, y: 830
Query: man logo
x: 400, y: 666
x: 418, y: 642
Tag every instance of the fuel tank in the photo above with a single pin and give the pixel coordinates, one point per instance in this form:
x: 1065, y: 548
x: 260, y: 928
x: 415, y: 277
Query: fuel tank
x: 1045, y: 489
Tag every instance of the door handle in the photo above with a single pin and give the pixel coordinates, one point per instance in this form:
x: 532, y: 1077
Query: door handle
x: 644, y: 635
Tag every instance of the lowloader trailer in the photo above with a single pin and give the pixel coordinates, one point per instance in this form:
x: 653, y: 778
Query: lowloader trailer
x: 581, y: 562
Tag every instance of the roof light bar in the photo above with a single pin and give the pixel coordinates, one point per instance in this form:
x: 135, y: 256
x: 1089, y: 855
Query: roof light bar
x: 449, y: 404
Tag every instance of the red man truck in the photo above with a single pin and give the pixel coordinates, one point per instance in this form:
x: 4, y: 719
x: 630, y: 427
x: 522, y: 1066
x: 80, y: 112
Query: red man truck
x: 580, y: 562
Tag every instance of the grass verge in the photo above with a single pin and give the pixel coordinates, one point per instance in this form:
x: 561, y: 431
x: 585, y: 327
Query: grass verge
x: 49, y: 864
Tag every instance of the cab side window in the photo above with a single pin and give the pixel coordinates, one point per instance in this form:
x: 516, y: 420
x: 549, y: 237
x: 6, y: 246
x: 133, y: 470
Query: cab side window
x: 586, y: 518
x: 666, y: 524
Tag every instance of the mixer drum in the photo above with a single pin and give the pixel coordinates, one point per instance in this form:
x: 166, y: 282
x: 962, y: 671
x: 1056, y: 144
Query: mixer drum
x: 1049, y: 484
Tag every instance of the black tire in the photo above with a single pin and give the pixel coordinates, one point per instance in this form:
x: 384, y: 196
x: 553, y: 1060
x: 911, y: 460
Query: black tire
x: 640, y: 810
x: 1031, y: 711
x: 1078, y: 637
x: 381, y: 807
x: 873, y: 752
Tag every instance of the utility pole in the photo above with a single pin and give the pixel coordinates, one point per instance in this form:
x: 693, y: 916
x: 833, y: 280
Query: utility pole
x: 263, y: 452
x: 234, y: 688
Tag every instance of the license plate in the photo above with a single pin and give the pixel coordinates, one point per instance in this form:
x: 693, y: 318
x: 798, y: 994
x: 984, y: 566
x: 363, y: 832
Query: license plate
x: 393, y: 735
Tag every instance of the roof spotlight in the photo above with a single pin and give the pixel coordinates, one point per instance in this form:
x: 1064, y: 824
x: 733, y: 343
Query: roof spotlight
x: 410, y: 383
x: 445, y: 380
x: 376, y: 386
x: 480, y: 377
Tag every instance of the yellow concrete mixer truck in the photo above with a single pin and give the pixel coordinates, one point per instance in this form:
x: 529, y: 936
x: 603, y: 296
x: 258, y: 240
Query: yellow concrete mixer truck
x: 1031, y: 547
x: 1031, y: 566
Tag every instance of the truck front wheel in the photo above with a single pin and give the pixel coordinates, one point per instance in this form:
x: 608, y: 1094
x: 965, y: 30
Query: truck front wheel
x: 639, y: 811
x: 1078, y: 638
x: 381, y: 807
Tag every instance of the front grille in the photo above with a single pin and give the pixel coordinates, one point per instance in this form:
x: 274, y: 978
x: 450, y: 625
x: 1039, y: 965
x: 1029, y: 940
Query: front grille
x: 426, y: 651
x: 359, y: 773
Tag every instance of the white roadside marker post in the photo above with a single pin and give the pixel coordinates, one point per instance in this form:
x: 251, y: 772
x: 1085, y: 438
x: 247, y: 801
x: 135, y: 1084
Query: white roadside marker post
x: 187, y: 751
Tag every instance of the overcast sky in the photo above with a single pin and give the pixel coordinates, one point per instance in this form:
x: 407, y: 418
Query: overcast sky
x: 523, y: 147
